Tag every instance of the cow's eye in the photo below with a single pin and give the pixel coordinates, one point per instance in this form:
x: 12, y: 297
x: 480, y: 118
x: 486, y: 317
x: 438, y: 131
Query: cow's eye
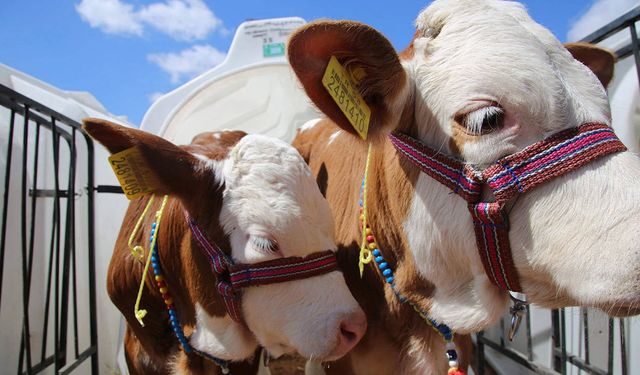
x: 264, y: 244
x: 484, y: 120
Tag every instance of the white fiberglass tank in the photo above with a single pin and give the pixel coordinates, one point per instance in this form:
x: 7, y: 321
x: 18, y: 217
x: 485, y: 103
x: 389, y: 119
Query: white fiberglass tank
x: 254, y: 90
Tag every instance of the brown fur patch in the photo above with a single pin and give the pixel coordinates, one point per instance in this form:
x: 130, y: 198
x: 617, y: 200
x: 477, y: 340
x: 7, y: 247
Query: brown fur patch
x: 600, y: 60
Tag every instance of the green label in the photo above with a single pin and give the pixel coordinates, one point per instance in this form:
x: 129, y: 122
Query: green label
x: 273, y: 49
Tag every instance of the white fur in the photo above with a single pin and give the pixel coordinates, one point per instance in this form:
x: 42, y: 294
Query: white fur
x: 573, y: 239
x: 222, y: 337
x: 270, y: 192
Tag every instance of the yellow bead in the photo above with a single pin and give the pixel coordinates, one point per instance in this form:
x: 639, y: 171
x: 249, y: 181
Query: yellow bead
x: 168, y: 301
x: 373, y: 246
x: 362, y: 217
x: 163, y: 290
x: 368, y: 231
x: 159, y: 278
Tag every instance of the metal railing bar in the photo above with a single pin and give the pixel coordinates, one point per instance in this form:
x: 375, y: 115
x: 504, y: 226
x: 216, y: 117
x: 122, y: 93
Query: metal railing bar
x: 623, y: 348
x: 42, y: 365
x: 115, y: 189
x: 48, y: 193
x: 19, y: 109
x: 26, y: 332
x: 528, y: 331
x: 45, y: 328
x: 93, y: 318
x: 610, y: 345
x: 613, y: 26
x: 66, y: 263
x: 5, y: 199
x: 72, y: 184
x: 56, y: 290
x: 582, y: 365
x: 634, y: 47
x: 518, y: 357
x: 585, y: 322
x: 92, y: 351
x: 480, y: 352
x: 10, y: 93
x: 563, y: 341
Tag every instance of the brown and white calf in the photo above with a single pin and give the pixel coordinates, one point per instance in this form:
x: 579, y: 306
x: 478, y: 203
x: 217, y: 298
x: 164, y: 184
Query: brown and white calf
x: 480, y: 81
x: 256, y: 198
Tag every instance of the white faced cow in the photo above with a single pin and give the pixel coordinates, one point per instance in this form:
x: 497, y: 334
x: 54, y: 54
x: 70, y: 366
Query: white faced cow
x: 479, y: 99
x: 253, y: 208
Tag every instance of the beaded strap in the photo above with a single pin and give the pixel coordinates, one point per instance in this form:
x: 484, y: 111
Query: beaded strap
x: 171, y: 310
x: 369, y: 243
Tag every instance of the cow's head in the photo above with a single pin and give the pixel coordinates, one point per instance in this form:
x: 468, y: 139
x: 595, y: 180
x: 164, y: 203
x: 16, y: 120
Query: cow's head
x: 480, y: 81
x: 255, y: 197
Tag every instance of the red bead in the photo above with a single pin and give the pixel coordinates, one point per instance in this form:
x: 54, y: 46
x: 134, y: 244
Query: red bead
x: 169, y: 307
x: 369, y: 238
x: 161, y: 284
x: 166, y: 296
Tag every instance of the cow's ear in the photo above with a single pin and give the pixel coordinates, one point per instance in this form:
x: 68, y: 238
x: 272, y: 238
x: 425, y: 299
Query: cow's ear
x: 173, y: 170
x: 362, y: 51
x: 600, y: 60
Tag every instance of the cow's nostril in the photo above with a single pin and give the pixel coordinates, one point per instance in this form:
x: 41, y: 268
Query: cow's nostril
x: 353, y: 327
x: 350, y: 330
x: 348, y: 335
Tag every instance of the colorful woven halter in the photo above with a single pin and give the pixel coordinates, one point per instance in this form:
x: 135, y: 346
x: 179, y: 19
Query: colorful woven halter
x: 231, y: 277
x: 515, y: 174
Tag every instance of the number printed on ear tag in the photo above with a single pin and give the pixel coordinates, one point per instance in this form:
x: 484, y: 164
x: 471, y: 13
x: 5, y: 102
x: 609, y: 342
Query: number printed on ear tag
x: 132, y: 172
x: 340, y: 86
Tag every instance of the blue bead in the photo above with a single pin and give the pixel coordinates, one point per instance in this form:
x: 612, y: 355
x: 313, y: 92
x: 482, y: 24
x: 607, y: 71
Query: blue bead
x: 379, y: 259
x: 390, y: 279
x: 360, y: 202
x: 154, y: 258
x: 384, y: 266
x: 387, y: 272
x: 376, y: 253
x: 452, y: 355
x: 153, y: 225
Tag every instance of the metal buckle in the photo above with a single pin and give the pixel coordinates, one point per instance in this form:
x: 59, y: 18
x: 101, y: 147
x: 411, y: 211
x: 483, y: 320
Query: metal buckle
x: 517, y: 310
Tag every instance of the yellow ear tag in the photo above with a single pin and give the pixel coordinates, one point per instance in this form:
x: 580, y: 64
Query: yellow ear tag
x: 340, y: 85
x: 132, y: 172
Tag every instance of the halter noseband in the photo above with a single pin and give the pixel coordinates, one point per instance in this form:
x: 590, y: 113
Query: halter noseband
x: 515, y: 174
x: 232, y: 277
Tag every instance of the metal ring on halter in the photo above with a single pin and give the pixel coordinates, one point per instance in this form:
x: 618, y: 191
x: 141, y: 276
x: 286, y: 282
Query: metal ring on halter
x: 517, y: 310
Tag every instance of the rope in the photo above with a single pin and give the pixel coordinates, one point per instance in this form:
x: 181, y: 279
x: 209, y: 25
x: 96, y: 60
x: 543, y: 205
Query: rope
x: 365, y: 253
x: 138, y: 251
x: 140, y: 314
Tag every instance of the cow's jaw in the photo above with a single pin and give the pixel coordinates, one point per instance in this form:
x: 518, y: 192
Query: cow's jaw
x: 222, y: 337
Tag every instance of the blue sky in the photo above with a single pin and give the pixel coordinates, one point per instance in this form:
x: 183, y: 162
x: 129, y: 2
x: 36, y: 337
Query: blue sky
x: 125, y: 52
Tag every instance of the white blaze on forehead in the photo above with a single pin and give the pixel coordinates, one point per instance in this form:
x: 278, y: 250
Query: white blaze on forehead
x: 270, y: 190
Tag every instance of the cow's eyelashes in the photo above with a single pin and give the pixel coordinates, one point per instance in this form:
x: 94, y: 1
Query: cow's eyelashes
x: 264, y: 244
x: 484, y: 120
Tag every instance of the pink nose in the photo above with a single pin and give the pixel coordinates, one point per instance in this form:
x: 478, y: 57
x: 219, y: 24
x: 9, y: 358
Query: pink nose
x: 352, y: 328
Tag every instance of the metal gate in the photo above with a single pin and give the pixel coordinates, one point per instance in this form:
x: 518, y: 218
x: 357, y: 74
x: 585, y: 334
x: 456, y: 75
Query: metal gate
x: 47, y: 267
x: 572, y: 341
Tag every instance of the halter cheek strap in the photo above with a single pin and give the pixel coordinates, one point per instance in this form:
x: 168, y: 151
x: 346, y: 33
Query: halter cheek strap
x: 232, y: 277
x: 515, y: 174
